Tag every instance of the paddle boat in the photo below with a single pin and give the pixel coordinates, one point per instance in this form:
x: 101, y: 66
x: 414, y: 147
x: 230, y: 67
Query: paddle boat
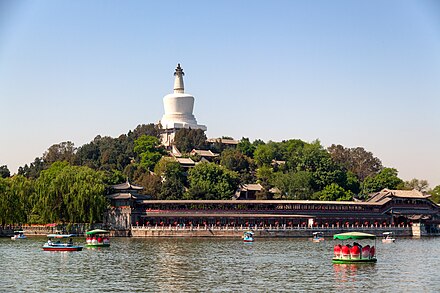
x: 354, y: 253
x: 54, y: 243
x: 318, y: 237
x: 388, y: 237
x: 18, y: 235
x: 97, y: 238
x: 248, y: 236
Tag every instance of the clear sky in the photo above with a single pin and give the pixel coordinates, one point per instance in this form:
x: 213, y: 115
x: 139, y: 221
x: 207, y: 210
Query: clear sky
x: 355, y: 73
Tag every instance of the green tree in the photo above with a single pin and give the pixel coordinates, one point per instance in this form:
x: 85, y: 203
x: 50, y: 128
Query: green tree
x: 420, y: 185
x: 64, y: 151
x: 211, y: 181
x: 149, y: 151
x: 33, y: 170
x: 294, y: 185
x: 9, y: 203
x: 435, y: 194
x: 246, y: 148
x: 234, y: 160
x: 356, y: 160
x: 386, y: 178
x: 4, y: 171
x: 151, y: 183
x: 334, y: 192
x: 69, y: 194
x: 352, y: 183
x: 188, y: 139
x: 265, y: 153
x: 313, y: 158
x: 23, y: 198
x: 173, y: 176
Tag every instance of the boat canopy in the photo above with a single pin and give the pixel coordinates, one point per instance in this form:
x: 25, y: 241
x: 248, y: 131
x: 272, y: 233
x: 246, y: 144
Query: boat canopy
x: 354, y: 235
x: 387, y: 233
x: 60, y: 235
x: 97, y: 231
x: 318, y: 233
x: 18, y: 232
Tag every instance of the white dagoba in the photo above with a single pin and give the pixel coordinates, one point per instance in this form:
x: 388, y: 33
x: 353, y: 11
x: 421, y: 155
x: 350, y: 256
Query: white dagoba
x: 178, y: 110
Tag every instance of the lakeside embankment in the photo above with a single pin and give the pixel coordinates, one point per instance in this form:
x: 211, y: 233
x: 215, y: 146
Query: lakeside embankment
x: 261, y: 232
x: 226, y: 231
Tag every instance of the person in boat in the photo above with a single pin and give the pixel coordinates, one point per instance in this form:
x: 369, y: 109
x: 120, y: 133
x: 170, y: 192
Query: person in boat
x: 49, y: 242
x: 70, y: 241
x: 357, y: 244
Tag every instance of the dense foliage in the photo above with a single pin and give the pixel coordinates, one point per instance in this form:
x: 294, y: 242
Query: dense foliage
x: 62, y: 193
x: 188, y: 139
x: 67, y: 184
x: 211, y: 181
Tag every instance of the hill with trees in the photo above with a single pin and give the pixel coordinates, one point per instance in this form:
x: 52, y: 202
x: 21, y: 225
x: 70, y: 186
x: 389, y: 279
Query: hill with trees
x: 69, y: 183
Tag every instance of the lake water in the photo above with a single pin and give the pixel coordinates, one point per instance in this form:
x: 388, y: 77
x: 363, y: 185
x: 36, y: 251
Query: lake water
x: 216, y: 265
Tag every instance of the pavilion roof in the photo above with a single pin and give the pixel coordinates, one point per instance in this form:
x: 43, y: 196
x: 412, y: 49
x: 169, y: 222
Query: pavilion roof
x: 251, y: 187
x: 126, y: 185
x: 127, y: 195
x: 389, y: 193
x: 204, y: 153
x: 223, y: 140
x: 185, y: 161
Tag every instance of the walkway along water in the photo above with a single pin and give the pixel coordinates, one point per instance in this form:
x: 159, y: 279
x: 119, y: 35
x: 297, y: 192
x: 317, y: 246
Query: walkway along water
x: 267, y: 232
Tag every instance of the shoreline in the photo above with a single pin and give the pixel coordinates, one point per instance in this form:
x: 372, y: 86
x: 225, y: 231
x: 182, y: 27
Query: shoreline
x: 237, y: 231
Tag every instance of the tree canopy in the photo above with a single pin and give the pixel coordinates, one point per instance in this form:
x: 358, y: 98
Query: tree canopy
x: 187, y: 139
x: 211, y: 181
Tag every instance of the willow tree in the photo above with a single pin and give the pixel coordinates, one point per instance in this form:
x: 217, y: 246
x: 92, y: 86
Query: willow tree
x: 7, y: 203
x: 22, y: 190
x: 70, y: 194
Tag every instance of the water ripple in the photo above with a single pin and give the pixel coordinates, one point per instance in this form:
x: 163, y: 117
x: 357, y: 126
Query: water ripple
x: 216, y: 265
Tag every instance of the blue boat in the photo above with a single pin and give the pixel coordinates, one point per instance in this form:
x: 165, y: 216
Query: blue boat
x: 248, y: 236
x: 54, y: 243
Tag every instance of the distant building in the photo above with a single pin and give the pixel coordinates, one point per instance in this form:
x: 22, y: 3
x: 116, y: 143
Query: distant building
x: 204, y: 155
x: 248, y: 191
x: 185, y: 163
x: 178, y: 108
x: 122, y: 200
x: 387, y: 208
x: 227, y: 142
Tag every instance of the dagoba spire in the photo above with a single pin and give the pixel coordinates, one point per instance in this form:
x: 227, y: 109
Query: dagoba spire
x: 178, y: 81
x: 178, y: 108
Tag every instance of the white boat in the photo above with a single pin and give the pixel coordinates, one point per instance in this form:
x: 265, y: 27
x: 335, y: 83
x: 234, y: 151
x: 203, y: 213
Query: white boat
x: 18, y: 235
x: 318, y: 237
x: 54, y: 243
x: 388, y: 237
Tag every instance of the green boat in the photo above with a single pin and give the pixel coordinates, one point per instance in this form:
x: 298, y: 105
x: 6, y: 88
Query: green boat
x: 97, y: 238
x: 354, y: 253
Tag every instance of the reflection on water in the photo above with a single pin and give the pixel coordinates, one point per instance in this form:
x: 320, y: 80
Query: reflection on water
x: 217, y: 265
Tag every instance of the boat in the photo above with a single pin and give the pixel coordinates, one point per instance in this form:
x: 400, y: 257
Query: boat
x: 54, y: 243
x: 354, y: 253
x: 248, y: 236
x: 388, y: 237
x: 18, y: 235
x: 97, y: 238
x: 318, y: 237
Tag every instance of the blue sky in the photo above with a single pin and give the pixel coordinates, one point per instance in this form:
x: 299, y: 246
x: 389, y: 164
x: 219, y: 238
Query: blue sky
x: 356, y: 73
